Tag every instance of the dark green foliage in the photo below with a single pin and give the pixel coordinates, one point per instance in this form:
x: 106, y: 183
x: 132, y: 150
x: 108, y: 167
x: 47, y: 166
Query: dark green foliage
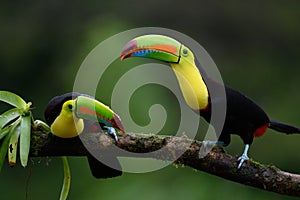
x: 255, y: 44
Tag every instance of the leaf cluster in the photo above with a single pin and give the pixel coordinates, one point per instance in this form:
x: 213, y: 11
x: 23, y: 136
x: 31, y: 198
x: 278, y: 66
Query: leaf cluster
x: 15, y: 129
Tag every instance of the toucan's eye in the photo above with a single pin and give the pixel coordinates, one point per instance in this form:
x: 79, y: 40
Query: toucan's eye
x: 185, y: 52
x: 70, y: 106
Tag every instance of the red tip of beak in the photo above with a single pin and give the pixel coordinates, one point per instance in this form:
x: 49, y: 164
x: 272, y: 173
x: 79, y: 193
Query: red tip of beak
x: 129, y: 48
x: 118, y: 124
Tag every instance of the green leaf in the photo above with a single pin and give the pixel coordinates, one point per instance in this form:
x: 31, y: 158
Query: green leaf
x: 3, y: 148
x: 12, y: 99
x: 25, y: 139
x: 8, y: 116
x: 13, y: 145
x: 4, y: 131
x: 67, y: 179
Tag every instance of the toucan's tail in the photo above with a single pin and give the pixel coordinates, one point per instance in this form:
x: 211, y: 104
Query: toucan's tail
x: 284, y: 128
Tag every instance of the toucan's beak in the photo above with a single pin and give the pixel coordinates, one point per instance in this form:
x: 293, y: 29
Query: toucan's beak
x: 93, y: 110
x: 158, y: 47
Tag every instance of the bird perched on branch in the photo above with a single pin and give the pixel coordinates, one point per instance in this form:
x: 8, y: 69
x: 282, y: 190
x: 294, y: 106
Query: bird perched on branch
x: 71, y: 114
x: 243, y: 116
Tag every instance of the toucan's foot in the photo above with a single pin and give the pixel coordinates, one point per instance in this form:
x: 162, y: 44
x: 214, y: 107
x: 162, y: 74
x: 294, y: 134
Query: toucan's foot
x: 242, y: 158
x: 206, y: 147
x: 112, y: 132
x: 209, y: 144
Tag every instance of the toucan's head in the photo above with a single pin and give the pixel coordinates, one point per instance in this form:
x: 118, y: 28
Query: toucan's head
x: 180, y: 58
x: 67, y: 114
x: 158, y: 47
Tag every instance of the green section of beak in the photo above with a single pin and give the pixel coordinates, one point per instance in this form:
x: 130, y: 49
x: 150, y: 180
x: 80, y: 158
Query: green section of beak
x: 91, y: 109
x: 158, y: 47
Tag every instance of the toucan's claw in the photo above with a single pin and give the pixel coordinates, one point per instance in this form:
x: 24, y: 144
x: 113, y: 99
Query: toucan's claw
x: 112, y: 132
x: 242, y: 158
x: 207, y: 145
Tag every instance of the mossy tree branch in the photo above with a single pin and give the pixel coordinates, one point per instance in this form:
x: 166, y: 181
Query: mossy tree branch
x: 216, y: 162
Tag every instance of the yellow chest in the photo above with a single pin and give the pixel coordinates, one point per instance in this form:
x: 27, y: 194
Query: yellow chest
x: 191, y: 84
x: 67, y: 126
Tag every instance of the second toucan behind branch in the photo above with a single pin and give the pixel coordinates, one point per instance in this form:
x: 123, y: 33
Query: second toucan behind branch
x: 72, y: 114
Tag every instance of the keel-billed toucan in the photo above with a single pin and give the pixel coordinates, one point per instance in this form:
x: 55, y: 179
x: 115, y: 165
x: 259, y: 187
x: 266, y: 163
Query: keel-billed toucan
x: 243, y: 116
x: 71, y: 114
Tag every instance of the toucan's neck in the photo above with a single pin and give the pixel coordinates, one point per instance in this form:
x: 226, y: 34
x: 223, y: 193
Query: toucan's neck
x: 191, y: 83
x: 67, y: 125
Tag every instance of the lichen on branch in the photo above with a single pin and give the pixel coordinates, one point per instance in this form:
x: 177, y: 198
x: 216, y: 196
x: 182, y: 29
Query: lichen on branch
x: 181, y: 150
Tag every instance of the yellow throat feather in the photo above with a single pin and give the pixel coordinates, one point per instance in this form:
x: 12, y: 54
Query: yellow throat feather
x: 67, y: 125
x: 190, y: 80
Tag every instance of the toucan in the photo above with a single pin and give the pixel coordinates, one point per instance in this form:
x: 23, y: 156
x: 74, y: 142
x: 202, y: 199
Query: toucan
x: 72, y: 114
x: 243, y: 116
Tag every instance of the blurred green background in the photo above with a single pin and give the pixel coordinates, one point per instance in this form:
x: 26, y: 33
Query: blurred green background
x: 255, y: 45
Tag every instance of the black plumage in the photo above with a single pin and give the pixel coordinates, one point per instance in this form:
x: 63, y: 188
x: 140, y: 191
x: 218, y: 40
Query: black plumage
x: 243, y: 116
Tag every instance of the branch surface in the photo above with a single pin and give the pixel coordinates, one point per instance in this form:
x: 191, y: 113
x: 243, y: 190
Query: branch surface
x: 168, y: 148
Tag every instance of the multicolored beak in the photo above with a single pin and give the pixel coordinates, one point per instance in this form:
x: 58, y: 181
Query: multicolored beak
x: 158, y: 47
x: 93, y: 110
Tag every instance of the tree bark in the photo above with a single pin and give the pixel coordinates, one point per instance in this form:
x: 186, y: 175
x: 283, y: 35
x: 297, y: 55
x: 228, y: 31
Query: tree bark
x: 179, y: 149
